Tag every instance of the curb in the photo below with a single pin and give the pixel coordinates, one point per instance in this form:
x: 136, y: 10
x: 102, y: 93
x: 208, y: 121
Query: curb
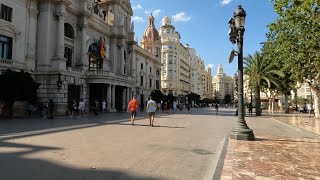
x: 214, y: 171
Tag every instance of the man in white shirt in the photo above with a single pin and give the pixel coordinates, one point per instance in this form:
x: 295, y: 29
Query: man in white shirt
x: 151, y: 109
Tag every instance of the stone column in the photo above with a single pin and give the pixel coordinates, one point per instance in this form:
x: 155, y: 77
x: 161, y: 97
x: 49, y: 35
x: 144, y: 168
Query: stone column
x: 109, y: 97
x: 60, y: 36
x: 113, y: 97
x: 128, y: 94
x: 84, y: 58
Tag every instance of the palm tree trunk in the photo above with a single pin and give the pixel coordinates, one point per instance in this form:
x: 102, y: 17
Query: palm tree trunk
x: 258, y: 100
x: 269, y: 105
x: 286, y: 104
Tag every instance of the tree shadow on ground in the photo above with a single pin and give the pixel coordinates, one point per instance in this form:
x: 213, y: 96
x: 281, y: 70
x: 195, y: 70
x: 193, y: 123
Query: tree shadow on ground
x: 16, y: 166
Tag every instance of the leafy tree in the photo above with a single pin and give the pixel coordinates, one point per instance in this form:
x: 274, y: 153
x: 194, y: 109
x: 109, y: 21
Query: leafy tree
x: 259, y: 69
x: 296, y: 34
x: 18, y: 86
x: 157, y: 95
x: 227, y: 99
x: 193, y: 97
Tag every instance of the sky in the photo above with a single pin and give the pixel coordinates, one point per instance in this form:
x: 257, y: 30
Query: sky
x: 203, y: 24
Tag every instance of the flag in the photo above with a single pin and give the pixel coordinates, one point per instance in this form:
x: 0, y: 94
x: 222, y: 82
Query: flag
x: 103, y: 50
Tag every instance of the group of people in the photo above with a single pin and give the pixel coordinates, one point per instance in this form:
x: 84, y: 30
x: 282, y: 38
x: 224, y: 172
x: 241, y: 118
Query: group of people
x: 150, y: 109
x: 76, y: 107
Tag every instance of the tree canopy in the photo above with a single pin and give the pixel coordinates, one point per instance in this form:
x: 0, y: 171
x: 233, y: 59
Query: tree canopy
x: 17, y: 86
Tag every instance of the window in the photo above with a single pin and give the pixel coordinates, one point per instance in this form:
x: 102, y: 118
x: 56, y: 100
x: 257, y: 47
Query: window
x: 157, y: 72
x: 68, y: 52
x: 141, y: 66
x: 68, y: 31
x: 141, y: 80
x: 6, y: 13
x: 157, y: 84
x: 5, y: 47
x: 150, y: 69
x: 150, y: 82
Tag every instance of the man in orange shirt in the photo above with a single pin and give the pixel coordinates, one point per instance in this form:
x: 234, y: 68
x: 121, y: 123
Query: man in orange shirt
x: 132, y: 106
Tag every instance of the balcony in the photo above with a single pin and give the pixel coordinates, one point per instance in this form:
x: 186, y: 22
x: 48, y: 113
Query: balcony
x: 8, y: 62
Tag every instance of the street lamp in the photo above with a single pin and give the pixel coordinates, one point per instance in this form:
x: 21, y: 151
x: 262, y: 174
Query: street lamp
x: 241, y: 131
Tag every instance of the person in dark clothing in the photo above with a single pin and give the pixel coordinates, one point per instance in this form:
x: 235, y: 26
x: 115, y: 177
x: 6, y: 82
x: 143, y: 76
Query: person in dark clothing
x: 250, y: 109
x: 50, y: 109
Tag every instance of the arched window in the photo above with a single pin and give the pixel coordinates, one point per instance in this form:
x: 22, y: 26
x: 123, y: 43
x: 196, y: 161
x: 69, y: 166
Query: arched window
x: 68, y: 31
x: 69, y: 44
x: 141, y: 66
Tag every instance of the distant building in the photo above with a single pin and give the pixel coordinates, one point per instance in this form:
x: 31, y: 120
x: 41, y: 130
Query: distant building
x: 175, y: 74
x: 148, y: 63
x: 195, y: 72
x: 222, y: 84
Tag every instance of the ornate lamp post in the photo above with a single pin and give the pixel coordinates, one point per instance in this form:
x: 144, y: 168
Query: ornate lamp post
x: 236, y: 24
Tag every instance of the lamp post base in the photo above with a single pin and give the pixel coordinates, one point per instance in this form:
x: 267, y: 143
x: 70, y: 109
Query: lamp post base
x: 242, y: 134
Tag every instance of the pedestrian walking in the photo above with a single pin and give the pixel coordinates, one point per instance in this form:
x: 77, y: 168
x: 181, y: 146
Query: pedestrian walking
x: 132, y: 107
x: 81, y: 108
x: 151, y: 109
x: 250, y: 109
x: 104, y: 106
x: 50, y: 108
x: 70, y: 108
x: 217, y: 108
x: 174, y: 105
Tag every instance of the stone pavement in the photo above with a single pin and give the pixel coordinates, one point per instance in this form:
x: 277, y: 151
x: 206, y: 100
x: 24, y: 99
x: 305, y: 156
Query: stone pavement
x: 180, y: 146
x: 274, y: 154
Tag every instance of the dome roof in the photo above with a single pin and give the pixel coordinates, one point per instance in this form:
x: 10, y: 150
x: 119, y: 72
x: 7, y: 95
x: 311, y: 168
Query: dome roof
x: 151, y: 34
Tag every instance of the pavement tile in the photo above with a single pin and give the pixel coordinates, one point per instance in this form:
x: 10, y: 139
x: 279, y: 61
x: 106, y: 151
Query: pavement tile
x: 272, y: 157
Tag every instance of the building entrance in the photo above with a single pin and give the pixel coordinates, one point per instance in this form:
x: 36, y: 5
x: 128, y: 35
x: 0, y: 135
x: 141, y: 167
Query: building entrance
x: 121, y: 97
x: 73, y: 93
x: 98, y: 92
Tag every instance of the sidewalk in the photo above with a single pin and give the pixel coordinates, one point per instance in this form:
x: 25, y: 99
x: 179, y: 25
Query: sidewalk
x: 273, y: 155
x: 305, y: 122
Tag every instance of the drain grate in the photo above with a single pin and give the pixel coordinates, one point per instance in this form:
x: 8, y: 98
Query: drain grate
x: 201, y: 151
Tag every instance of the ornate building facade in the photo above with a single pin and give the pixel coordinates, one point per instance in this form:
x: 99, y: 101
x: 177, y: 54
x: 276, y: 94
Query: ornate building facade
x: 148, y: 62
x: 77, y: 50
x: 175, y: 74
x: 222, y: 84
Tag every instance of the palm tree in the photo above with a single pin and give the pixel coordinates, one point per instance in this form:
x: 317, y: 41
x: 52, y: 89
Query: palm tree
x: 260, y: 69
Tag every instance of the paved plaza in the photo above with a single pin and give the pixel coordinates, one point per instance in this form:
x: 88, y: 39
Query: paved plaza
x: 180, y: 146
x: 185, y: 145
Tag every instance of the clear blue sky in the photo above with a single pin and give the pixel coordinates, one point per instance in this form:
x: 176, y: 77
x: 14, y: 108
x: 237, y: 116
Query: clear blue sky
x: 203, y: 24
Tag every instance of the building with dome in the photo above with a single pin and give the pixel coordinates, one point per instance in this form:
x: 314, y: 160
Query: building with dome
x: 222, y: 84
x: 175, y: 74
x: 147, y: 63
x: 80, y: 50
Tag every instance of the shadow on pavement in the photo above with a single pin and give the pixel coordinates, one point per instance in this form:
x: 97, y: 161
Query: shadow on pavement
x: 16, y: 166
x: 147, y: 125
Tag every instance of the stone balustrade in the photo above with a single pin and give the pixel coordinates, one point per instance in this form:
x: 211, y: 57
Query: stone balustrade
x: 6, y: 61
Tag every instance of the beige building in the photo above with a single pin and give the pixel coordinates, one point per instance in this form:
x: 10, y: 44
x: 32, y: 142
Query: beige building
x: 222, y: 84
x: 207, y: 83
x: 78, y: 50
x: 175, y: 74
x: 195, y: 72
